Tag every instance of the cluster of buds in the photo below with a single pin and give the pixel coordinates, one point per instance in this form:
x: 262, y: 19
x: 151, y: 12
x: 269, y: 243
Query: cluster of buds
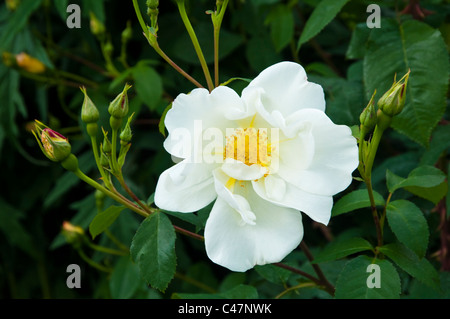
x: 57, y: 148
x: 389, y: 105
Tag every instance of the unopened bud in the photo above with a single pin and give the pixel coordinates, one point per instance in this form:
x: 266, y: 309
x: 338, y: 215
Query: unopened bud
x: 29, y: 64
x: 393, y: 101
x: 73, y: 234
x: 54, y: 145
x: 152, y: 11
x: 125, y: 135
x: 127, y: 33
x: 118, y: 108
x: 152, y: 4
x: 106, y: 145
x: 97, y: 27
x: 89, y: 112
x: 368, y: 117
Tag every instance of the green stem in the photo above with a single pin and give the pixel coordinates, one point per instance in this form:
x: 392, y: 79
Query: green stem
x: 383, y: 122
x: 106, y: 249
x: 323, y: 280
x: 92, y: 263
x: 299, y: 286
x: 77, y: 78
x: 99, y: 165
x: 383, y: 216
x: 299, y: 272
x: 140, y: 18
x: 116, y: 241
x: 161, y: 53
x: 373, y: 207
x: 114, y: 196
x: 188, y: 233
x: 120, y: 199
x: 217, y: 23
x: 114, y: 164
x: 198, y: 50
x: 151, y: 38
x: 195, y: 282
x: 130, y: 192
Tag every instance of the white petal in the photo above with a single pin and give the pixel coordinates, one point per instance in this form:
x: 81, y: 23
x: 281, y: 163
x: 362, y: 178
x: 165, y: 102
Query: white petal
x: 192, y: 113
x: 335, y: 156
x: 317, y: 207
x: 241, y: 171
x: 240, y: 246
x: 296, y: 153
x: 287, y: 89
x: 275, y: 188
x: 185, y: 187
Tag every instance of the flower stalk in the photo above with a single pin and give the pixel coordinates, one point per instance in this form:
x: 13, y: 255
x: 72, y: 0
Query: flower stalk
x: 193, y: 36
x: 150, y: 35
x: 389, y: 105
x: 217, y: 18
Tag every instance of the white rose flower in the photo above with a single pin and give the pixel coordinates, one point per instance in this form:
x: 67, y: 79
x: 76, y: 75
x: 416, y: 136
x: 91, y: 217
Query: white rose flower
x: 264, y: 157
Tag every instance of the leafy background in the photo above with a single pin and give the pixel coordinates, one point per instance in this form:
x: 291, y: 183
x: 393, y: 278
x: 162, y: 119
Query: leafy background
x: 330, y: 39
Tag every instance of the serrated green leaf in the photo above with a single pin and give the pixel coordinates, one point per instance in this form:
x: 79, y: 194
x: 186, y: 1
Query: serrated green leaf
x: 412, y: 45
x: 341, y: 249
x: 422, y: 176
x: 406, y: 259
x: 409, y: 225
x: 321, y: 16
x: 103, y: 220
x: 352, y: 283
x: 355, y: 200
x: 425, y: 181
x: 153, y: 249
x: 433, y: 194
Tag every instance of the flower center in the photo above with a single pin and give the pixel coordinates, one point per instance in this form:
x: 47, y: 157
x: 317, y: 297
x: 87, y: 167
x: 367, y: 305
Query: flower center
x: 249, y: 146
